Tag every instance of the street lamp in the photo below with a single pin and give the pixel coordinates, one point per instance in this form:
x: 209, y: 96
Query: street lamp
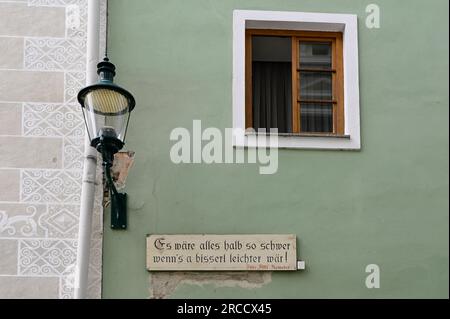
x: 106, y: 110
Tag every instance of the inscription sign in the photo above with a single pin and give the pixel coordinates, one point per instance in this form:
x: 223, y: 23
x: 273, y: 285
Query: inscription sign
x: 221, y: 252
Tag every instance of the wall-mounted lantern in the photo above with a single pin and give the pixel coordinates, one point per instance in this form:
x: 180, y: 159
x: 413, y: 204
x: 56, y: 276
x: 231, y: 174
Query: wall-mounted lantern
x: 106, y: 110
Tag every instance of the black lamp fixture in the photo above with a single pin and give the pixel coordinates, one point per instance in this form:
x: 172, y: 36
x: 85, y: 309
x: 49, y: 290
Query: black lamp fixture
x: 106, y: 111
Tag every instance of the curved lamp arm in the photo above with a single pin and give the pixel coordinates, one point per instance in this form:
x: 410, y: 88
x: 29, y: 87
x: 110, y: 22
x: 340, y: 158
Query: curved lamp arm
x: 118, y: 200
x: 110, y: 182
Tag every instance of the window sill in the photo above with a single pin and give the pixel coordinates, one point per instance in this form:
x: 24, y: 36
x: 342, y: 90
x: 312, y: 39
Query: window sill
x: 298, y: 141
x: 300, y: 135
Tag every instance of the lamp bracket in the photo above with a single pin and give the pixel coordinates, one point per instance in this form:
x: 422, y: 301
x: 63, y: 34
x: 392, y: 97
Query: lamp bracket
x: 108, y: 146
x: 118, y: 211
x: 118, y: 201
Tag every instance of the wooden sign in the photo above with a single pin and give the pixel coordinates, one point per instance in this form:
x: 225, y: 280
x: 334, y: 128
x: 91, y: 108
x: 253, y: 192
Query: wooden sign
x: 221, y: 252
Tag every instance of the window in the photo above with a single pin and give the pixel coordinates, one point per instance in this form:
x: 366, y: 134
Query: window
x: 297, y: 72
x: 294, y: 81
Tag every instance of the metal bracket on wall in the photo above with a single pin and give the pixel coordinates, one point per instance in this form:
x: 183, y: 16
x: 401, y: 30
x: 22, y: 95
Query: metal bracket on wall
x: 119, y: 211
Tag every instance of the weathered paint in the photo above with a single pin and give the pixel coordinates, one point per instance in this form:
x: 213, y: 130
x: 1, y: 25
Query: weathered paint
x: 386, y: 204
x: 164, y: 284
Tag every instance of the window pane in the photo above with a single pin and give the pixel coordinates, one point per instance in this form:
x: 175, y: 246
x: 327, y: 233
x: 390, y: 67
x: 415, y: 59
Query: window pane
x: 316, y: 118
x: 315, y: 55
x: 315, y: 86
x: 271, y: 49
x: 272, y: 83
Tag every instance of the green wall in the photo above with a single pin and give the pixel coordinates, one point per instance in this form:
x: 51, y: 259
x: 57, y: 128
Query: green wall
x: 386, y: 204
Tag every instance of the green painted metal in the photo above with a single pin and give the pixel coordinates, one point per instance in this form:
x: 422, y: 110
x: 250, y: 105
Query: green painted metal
x: 386, y: 204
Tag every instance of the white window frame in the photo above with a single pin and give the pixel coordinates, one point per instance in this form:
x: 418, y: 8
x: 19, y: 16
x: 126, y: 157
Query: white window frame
x: 280, y: 20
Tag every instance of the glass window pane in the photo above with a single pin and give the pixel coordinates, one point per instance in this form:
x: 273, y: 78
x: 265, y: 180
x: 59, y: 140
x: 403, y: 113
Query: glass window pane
x: 316, y: 117
x: 315, y: 55
x: 315, y: 86
x: 271, y: 49
x: 272, y: 83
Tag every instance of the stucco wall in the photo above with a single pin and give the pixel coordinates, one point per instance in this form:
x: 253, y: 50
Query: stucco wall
x: 386, y: 204
x: 42, y: 67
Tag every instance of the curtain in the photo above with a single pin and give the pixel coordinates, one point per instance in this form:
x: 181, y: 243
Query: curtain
x: 272, y: 97
x: 316, y: 117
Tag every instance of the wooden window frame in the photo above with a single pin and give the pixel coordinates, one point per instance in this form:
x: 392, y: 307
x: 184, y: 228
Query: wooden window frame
x: 335, y: 38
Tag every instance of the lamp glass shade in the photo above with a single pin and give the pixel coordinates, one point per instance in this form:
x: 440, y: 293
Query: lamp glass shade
x: 106, y: 101
x: 106, y: 106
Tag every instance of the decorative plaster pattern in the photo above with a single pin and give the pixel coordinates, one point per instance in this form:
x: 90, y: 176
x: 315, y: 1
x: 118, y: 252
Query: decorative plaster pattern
x: 95, y: 267
x: 46, y: 257
x: 54, y: 3
x: 40, y: 221
x: 73, y: 153
x: 52, y: 54
x: 76, y: 22
x: 73, y: 82
x: 41, y: 215
x: 60, y: 221
x: 66, y: 284
x: 23, y: 225
x: 51, y: 186
x: 52, y: 120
